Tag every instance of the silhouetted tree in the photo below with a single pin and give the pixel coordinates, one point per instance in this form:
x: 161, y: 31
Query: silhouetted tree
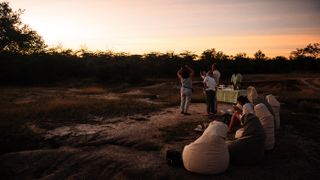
x: 208, y: 55
x: 241, y: 56
x: 259, y: 55
x: 312, y: 50
x: 211, y: 55
x: 14, y: 35
x: 280, y: 58
x: 188, y: 55
x: 152, y: 56
x: 221, y: 56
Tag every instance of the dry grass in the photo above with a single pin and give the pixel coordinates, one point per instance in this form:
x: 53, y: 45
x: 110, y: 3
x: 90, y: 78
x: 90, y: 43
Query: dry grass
x: 169, y: 93
x: 178, y: 132
x: 92, y: 90
x: 58, y: 109
x: 72, y: 109
x: 296, y: 155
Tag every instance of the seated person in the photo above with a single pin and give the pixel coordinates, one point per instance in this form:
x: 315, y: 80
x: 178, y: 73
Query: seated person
x: 243, y: 104
x: 249, y: 148
x: 209, y: 153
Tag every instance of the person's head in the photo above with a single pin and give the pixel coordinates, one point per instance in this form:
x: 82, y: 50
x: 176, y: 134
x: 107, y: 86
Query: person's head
x: 185, y: 72
x: 242, y: 100
x: 238, y: 108
x: 214, y: 67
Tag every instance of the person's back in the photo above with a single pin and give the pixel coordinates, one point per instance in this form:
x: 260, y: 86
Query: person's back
x: 186, y: 83
x: 249, y: 148
x: 210, y: 83
x: 209, y: 153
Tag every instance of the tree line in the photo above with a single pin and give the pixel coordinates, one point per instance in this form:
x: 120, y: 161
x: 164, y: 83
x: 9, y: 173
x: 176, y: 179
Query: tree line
x: 26, y: 59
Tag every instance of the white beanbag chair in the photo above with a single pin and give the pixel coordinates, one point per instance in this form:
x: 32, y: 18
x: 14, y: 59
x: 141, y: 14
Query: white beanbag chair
x: 275, y: 107
x: 252, y: 93
x: 209, y: 153
x: 267, y: 122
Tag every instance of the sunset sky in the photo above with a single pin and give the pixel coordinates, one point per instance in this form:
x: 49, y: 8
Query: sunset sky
x: 277, y: 27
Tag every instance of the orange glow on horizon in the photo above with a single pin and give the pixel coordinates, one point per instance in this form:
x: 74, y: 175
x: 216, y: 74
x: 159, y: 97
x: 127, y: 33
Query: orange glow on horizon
x: 143, y: 26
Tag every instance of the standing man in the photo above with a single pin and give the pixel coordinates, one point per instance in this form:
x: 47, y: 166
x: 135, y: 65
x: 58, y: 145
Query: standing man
x: 216, y: 75
x: 210, y: 89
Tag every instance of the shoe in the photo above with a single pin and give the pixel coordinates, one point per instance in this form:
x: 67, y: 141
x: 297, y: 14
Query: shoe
x: 199, y: 128
x: 181, y: 112
x: 188, y: 114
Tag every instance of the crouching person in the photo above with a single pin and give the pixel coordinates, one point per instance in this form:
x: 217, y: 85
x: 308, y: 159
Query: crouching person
x: 209, y: 153
x: 249, y: 148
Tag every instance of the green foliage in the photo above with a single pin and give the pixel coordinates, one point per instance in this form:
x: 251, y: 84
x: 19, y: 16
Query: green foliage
x: 16, y: 37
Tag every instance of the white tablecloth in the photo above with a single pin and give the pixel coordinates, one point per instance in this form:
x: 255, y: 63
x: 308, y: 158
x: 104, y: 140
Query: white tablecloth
x: 230, y: 95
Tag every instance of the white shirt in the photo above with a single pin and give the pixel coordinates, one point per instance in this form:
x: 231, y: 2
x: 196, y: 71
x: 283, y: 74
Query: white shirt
x: 216, y: 75
x: 210, y: 83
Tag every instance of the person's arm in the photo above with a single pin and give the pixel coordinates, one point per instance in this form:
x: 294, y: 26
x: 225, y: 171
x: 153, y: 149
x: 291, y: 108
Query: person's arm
x: 179, y: 73
x: 237, y: 109
x: 202, y: 74
x: 192, y: 73
x: 234, y: 117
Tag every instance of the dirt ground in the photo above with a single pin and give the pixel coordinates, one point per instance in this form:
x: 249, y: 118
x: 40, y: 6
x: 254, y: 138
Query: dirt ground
x: 133, y: 145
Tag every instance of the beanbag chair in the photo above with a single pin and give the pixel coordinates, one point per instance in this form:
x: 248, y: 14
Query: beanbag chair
x: 267, y: 122
x: 275, y: 104
x: 209, y: 153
